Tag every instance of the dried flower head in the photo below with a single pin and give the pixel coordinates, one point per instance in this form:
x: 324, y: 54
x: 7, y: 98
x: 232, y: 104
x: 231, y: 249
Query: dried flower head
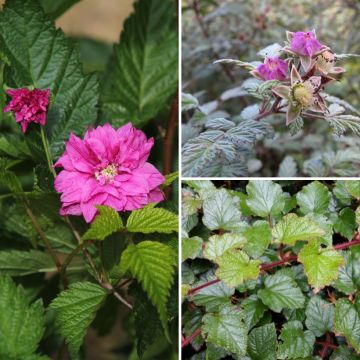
x: 107, y: 167
x: 28, y: 106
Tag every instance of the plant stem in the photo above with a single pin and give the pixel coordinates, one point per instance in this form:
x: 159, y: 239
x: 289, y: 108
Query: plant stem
x: 69, y: 258
x: 47, y: 151
x: 189, y: 339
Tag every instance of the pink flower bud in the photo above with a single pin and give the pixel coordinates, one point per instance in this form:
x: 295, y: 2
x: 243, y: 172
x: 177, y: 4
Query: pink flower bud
x: 304, y: 43
x: 273, y: 69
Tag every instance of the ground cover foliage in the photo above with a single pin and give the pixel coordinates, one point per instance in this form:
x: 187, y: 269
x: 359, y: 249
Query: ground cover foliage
x: 270, y: 270
x: 224, y: 131
x: 70, y: 288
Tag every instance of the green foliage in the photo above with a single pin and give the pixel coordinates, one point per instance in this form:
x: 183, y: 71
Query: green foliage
x: 283, y: 277
x: 107, y: 222
x: 75, y: 309
x: 145, y: 64
x: 149, y: 219
x: 155, y: 273
x: 22, y: 324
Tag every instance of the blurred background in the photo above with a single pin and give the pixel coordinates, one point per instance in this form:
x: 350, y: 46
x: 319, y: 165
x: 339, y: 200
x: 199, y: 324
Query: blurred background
x: 238, y: 29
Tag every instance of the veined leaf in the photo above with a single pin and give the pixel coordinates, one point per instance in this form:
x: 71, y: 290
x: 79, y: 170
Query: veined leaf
x: 226, y: 329
x: 258, y: 238
x: 313, y: 198
x: 254, y: 310
x: 345, y: 223
x: 263, y: 342
x: 22, y: 324
x: 347, y: 322
x: 281, y: 292
x: 145, y: 64
x: 321, y: 266
x: 353, y: 187
x: 319, y: 316
x: 75, y: 309
x: 235, y: 267
x: 348, y: 280
x: 41, y: 56
x: 191, y: 247
x: 154, y: 272
x: 107, y: 222
x: 169, y: 179
x: 292, y: 228
x: 149, y: 220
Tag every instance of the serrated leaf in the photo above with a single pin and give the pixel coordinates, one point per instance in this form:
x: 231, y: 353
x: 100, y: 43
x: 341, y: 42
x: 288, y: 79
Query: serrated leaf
x: 313, y: 198
x: 353, y: 187
x: 288, y: 167
x: 281, y: 292
x: 254, y: 310
x: 169, y: 179
x: 145, y: 64
x: 319, y: 316
x: 292, y: 228
x: 153, y: 265
x: 8, y: 178
x: 235, y: 267
x: 75, y: 309
x: 321, y: 266
x: 149, y: 220
x: 219, y: 244
x: 344, y: 353
x: 191, y: 247
x: 347, y: 322
x: 214, y: 297
x: 348, y: 280
x: 345, y: 223
x: 262, y: 343
x: 226, y: 329
x: 41, y: 56
x: 265, y: 198
x: 22, y: 324
x: 296, y: 343
x: 20, y: 263
x: 188, y: 102
x: 258, y: 238
x: 107, y: 222
x: 221, y: 211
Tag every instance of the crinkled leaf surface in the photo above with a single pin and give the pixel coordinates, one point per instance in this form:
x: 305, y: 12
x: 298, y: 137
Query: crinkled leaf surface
x: 262, y: 343
x: 348, y: 280
x: 145, y: 64
x: 191, y: 247
x: 319, y: 316
x: 345, y: 223
x: 313, y: 198
x: 353, y: 187
x: 75, y: 309
x: 41, y: 56
x: 254, y: 309
x: 258, y: 238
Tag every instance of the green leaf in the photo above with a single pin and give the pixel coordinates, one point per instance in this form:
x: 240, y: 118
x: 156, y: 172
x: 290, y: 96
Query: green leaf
x: 321, y: 266
x: 345, y: 223
x: 9, y: 178
x: 20, y: 263
x: 219, y: 244
x: 281, y: 292
x: 313, y: 198
x: 292, y: 228
x: 341, y: 193
x: 107, y: 222
x: 226, y: 329
x: 319, y: 316
x: 149, y: 220
x: 55, y: 8
x: 213, y: 297
x: 22, y: 324
x: 353, y: 187
x: 262, y: 343
x: 254, y: 310
x: 235, y: 267
x: 153, y: 265
x: 221, y: 211
x: 296, y: 343
x: 190, y: 247
x: 75, y: 309
x: 265, y: 198
x: 145, y: 65
x: 169, y: 179
x: 258, y: 238
x: 41, y: 56
x: 347, y: 322
x: 349, y: 274
x: 344, y: 353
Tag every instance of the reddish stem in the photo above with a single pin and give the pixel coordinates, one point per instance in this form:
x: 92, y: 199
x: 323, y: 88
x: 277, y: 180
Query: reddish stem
x: 188, y: 340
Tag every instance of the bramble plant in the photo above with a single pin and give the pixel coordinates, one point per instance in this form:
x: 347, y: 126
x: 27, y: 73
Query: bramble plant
x: 284, y: 111
x: 88, y: 225
x: 271, y: 270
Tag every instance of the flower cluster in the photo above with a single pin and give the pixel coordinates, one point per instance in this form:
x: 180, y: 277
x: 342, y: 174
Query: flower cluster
x: 306, y: 67
x: 28, y: 106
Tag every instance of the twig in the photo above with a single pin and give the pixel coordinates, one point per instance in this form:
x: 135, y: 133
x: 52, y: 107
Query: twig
x: 189, y: 339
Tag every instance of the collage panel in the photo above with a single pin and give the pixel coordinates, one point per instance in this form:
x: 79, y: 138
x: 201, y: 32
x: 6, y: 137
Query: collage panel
x: 270, y: 88
x: 270, y: 269
x: 88, y: 180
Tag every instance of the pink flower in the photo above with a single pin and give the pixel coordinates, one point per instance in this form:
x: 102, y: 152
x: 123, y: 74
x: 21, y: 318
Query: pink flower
x: 273, y: 69
x: 304, y: 43
x: 108, y: 167
x: 28, y: 106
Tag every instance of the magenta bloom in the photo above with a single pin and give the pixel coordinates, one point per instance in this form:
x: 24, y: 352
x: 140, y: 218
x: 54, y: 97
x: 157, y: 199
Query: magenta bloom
x: 108, y: 167
x: 304, y: 43
x: 273, y: 69
x: 28, y: 106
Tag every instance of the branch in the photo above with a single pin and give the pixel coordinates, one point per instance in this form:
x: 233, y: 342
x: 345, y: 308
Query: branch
x: 188, y: 340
